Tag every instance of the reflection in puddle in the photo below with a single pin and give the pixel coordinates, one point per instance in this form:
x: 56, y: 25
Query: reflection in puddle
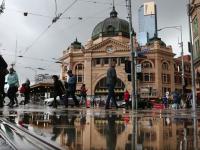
x: 96, y: 130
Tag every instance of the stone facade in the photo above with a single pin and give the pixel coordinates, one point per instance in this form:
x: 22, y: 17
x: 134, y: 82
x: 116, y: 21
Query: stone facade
x: 161, y: 72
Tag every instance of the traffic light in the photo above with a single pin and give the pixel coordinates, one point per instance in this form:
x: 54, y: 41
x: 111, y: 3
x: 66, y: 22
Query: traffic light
x: 129, y: 77
x: 127, y: 66
x: 139, y: 76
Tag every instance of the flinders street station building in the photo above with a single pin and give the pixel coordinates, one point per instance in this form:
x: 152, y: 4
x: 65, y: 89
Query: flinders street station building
x: 109, y: 41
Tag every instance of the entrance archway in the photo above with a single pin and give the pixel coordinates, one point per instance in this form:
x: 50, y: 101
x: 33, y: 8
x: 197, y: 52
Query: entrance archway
x: 102, y: 90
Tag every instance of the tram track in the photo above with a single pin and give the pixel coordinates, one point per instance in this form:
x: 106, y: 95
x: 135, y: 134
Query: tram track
x: 19, y: 138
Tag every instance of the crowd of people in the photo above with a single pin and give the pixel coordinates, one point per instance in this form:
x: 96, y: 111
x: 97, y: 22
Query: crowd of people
x: 13, y: 83
x: 177, y: 100
x: 68, y: 89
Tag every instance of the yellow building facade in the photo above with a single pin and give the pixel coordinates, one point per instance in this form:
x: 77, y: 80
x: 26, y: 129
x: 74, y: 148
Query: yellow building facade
x: 161, y: 72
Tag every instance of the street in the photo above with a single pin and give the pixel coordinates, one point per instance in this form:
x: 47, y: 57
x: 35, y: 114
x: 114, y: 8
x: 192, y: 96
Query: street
x: 96, y: 128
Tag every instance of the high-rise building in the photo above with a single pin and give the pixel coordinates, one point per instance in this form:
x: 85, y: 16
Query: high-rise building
x: 146, y: 22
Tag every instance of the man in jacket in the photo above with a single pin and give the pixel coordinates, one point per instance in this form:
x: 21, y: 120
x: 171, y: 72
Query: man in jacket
x: 111, y: 81
x: 71, y: 88
x: 58, y: 90
x: 3, y: 73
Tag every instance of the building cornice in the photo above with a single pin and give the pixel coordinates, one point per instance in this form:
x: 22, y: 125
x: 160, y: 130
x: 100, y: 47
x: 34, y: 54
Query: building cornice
x: 103, y: 43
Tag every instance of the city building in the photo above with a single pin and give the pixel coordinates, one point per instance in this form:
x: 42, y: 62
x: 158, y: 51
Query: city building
x: 161, y: 72
x: 195, y: 17
x: 147, y: 17
x: 43, y: 87
x: 75, y: 131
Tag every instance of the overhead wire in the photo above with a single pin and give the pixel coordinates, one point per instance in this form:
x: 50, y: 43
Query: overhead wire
x: 26, y: 57
x: 49, y: 26
x: 31, y: 45
x: 101, y: 3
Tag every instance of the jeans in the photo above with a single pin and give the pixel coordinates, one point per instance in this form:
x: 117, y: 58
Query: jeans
x: 72, y: 94
x: 12, y: 94
x: 111, y: 95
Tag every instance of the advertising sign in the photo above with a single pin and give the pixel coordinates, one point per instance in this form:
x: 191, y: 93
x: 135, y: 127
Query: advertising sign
x: 149, y: 8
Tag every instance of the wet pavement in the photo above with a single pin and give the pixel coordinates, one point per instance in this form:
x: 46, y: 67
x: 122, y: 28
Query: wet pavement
x: 99, y: 129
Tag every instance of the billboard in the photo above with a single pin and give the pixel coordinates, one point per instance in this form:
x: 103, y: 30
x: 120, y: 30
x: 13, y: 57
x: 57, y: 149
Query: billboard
x: 149, y: 8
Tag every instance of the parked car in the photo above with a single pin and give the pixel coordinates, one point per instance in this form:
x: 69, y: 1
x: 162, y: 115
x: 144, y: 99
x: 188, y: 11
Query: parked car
x: 49, y: 101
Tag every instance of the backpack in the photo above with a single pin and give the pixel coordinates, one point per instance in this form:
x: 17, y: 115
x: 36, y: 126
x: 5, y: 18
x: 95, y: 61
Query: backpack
x: 22, y: 89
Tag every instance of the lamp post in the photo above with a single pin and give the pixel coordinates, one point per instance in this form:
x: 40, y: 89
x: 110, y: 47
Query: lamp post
x: 179, y: 28
x: 192, y: 60
x: 133, y: 58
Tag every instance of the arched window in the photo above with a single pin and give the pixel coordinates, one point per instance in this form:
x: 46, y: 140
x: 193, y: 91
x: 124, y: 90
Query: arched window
x: 146, y: 64
x: 79, y: 72
x: 165, y: 66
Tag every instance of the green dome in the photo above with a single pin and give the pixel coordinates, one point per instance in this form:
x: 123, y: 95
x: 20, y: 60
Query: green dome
x: 111, y: 26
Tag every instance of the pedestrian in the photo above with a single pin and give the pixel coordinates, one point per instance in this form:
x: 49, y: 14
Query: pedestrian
x: 13, y: 83
x: 126, y: 98
x: 189, y: 100
x: 58, y: 90
x: 83, y: 94
x: 27, y: 92
x: 71, y: 88
x: 176, y: 99
x: 111, y: 81
x: 165, y: 101
x: 3, y: 73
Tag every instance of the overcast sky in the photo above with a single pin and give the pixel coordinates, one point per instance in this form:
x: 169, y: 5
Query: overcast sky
x: 25, y: 30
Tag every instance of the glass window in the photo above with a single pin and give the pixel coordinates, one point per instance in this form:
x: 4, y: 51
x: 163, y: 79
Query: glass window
x: 165, y: 66
x: 146, y: 77
x: 122, y: 60
x: 79, y: 72
x: 146, y: 64
x: 98, y: 61
x: 80, y: 67
x: 79, y: 78
x: 165, y: 78
x: 114, y: 59
x: 195, y: 27
x: 149, y: 77
x: 106, y: 61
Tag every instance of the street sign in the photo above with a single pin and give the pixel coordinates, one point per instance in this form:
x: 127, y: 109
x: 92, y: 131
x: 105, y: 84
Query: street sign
x: 139, y: 68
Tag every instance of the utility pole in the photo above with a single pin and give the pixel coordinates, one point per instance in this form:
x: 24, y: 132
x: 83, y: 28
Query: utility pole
x: 133, y: 58
x: 182, y: 62
x: 192, y: 61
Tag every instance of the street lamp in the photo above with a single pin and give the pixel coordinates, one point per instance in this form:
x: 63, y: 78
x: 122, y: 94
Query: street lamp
x: 179, y: 28
x: 192, y: 58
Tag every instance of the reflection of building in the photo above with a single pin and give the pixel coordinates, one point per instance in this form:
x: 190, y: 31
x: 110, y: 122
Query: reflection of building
x: 165, y: 133
x: 112, y: 131
x: 110, y: 41
x: 195, y: 13
x: 146, y: 22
